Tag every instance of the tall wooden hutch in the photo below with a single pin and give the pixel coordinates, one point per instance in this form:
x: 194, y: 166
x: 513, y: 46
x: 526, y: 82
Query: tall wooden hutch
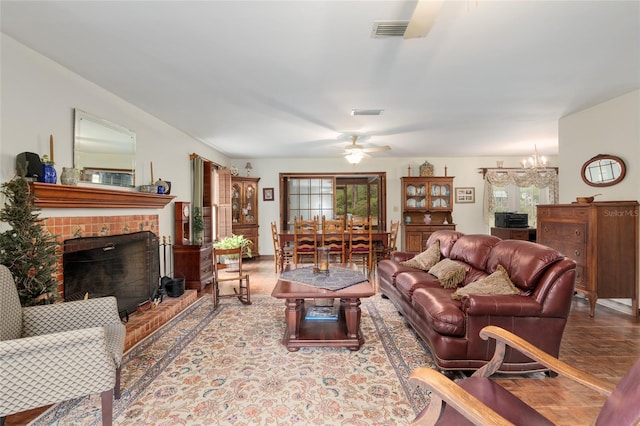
x: 244, y: 209
x: 427, y: 206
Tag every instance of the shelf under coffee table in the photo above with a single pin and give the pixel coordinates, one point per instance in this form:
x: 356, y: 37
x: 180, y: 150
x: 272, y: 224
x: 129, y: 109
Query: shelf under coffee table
x: 343, y: 332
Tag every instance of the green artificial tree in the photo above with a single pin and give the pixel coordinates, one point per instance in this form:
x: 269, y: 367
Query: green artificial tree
x: 198, y: 224
x: 27, y: 249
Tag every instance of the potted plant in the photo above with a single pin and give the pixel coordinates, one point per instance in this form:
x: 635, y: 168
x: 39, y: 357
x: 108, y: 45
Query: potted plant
x: 234, y: 241
x: 198, y: 224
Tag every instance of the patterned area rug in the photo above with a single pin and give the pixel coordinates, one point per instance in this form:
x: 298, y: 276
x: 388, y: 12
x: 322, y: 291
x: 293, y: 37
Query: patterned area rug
x: 229, y: 367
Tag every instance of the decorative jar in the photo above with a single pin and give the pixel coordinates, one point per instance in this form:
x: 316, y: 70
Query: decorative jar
x: 49, y: 174
x: 69, y: 176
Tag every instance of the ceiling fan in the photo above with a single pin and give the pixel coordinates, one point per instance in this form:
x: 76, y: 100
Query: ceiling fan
x: 424, y: 15
x: 355, y: 152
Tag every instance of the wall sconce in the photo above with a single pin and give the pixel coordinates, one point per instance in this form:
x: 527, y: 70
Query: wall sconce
x: 248, y: 167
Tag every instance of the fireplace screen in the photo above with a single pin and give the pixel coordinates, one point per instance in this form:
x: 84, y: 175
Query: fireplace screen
x: 125, y: 266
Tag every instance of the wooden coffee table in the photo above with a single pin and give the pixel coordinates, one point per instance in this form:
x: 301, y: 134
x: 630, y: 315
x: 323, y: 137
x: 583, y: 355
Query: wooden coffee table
x: 345, y: 332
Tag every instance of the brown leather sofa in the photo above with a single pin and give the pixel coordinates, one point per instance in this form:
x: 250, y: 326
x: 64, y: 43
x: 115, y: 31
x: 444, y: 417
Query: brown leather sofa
x: 451, y: 328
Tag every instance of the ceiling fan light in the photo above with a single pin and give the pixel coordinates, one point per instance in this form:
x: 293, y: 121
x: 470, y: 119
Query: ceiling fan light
x: 354, y: 156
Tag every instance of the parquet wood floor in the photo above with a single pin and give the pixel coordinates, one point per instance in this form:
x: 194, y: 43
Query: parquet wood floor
x: 606, y: 345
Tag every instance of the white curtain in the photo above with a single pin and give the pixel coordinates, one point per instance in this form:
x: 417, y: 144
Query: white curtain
x: 547, y: 178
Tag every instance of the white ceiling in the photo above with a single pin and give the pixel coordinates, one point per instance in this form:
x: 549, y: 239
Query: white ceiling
x: 259, y: 79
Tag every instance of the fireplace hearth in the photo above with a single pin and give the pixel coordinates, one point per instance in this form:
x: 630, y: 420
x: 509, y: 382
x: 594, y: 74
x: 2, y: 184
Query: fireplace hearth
x: 126, y: 266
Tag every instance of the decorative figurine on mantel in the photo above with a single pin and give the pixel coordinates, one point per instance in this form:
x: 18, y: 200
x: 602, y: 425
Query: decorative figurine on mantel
x: 426, y: 169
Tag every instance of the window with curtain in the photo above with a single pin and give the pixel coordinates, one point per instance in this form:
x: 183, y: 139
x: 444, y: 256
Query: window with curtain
x: 518, y: 190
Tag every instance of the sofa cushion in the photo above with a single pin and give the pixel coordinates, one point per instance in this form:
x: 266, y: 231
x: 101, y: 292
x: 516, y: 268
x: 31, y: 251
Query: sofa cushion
x: 496, y: 283
x: 524, y: 261
x: 474, y: 250
x: 388, y: 270
x: 446, y: 237
x: 440, y: 311
x: 408, y: 282
x: 449, y: 272
x: 426, y: 259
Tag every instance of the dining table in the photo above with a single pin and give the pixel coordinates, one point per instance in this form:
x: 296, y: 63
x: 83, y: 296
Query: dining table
x: 379, y: 239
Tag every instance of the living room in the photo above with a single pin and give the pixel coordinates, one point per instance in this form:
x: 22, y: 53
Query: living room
x: 39, y: 96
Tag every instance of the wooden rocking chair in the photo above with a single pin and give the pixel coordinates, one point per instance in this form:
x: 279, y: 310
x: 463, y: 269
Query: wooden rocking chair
x: 243, y: 291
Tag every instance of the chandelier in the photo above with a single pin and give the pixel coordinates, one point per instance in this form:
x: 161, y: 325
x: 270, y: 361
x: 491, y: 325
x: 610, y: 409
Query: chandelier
x: 534, y: 162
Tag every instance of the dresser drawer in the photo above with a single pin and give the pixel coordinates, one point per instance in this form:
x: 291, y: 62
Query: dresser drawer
x: 561, y: 231
x: 559, y: 213
x: 577, y: 252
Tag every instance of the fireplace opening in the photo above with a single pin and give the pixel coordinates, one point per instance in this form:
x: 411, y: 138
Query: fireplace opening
x: 125, y: 266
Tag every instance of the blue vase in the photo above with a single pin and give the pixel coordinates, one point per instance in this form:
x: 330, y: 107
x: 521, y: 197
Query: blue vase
x: 49, y: 174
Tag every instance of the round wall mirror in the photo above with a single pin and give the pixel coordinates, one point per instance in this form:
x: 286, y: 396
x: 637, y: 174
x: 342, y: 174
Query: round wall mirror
x: 603, y: 170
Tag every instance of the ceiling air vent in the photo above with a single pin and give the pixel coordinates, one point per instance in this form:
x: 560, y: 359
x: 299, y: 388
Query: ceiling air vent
x: 366, y: 111
x: 389, y: 29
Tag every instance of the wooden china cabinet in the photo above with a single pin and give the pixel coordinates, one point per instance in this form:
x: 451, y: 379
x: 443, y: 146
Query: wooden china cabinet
x: 427, y: 206
x: 244, y: 209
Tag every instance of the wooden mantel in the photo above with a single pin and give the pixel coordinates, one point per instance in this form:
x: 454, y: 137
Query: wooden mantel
x: 66, y: 196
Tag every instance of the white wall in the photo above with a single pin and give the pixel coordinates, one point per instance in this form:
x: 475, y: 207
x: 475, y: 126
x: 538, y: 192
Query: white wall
x: 38, y: 98
x: 612, y: 127
x: 468, y: 217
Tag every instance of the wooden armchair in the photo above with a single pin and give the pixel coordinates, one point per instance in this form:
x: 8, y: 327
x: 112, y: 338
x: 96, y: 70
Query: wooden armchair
x: 479, y: 400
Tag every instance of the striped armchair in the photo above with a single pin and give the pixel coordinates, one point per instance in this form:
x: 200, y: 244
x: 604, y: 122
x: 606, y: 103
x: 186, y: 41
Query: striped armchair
x: 53, y: 353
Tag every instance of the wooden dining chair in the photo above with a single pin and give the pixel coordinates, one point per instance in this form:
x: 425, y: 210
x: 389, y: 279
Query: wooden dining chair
x: 392, y: 245
x: 333, y: 237
x: 281, y: 255
x: 243, y: 289
x: 361, y: 243
x: 305, y: 240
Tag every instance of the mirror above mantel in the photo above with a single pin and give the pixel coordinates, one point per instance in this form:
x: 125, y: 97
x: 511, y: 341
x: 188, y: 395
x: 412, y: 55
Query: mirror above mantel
x: 103, y: 152
x: 603, y: 170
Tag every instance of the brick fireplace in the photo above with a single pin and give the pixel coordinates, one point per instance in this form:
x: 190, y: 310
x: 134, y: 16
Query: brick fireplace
x: 65, y: 228
x: 68, y: 227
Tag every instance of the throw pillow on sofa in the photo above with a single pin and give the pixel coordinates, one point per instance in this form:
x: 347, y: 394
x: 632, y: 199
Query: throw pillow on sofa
x: 449, y: 272
x: 426, y: 259
x: 496, y: 283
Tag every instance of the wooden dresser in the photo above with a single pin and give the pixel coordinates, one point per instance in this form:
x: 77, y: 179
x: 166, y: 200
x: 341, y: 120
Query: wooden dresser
x: 194, y: 262
x: 602, y: 238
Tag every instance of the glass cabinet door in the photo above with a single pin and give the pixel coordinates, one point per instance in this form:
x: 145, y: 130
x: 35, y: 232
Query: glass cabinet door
x: 236, y: 190
x: 415, y: 196
x: 439, y: 196
x: 249, y: 208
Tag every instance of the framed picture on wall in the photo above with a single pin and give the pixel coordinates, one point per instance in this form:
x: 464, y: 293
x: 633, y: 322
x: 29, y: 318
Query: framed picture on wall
x: 267, y: 194
x: 465, y: 195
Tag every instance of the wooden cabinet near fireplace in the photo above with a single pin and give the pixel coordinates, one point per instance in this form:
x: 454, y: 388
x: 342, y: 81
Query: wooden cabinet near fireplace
x: 244, y: 209
x: 194, y: 263
x: 602, y: 238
